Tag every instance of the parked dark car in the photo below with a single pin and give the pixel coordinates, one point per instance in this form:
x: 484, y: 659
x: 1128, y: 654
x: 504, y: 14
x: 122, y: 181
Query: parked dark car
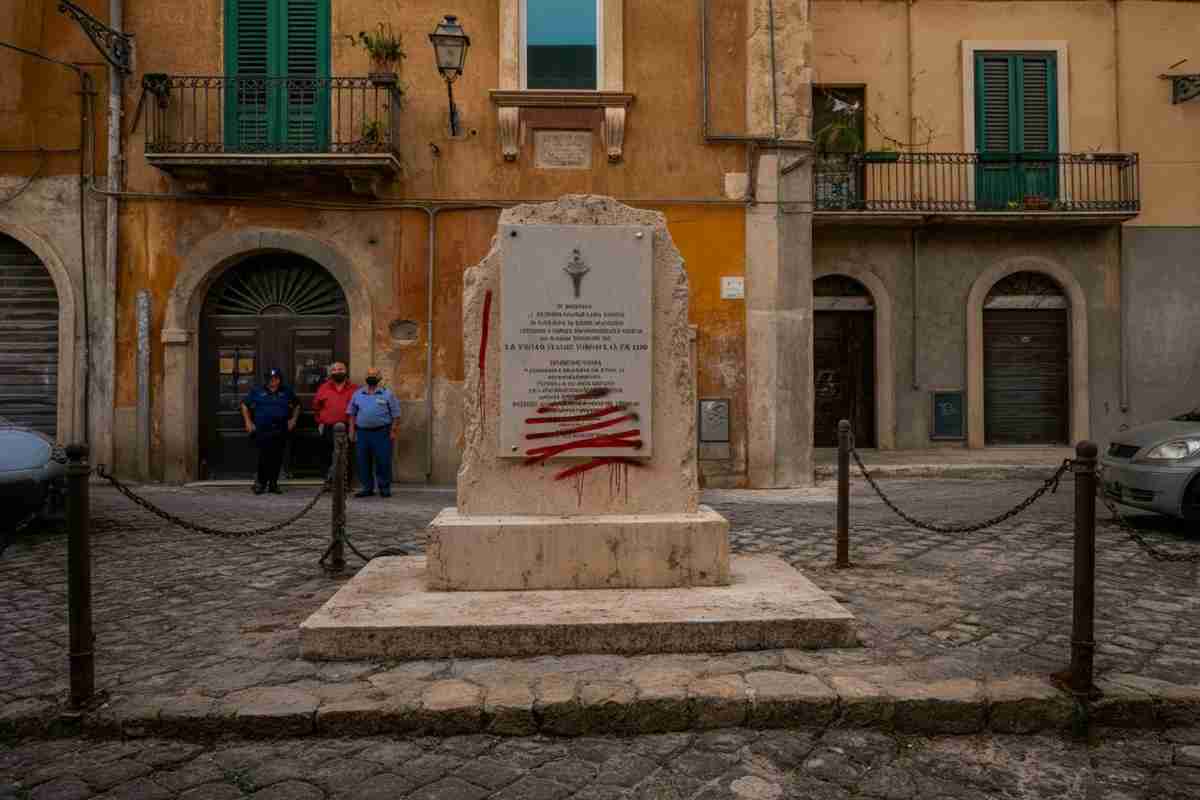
x: 32, y: 473
x: 1156, y: 467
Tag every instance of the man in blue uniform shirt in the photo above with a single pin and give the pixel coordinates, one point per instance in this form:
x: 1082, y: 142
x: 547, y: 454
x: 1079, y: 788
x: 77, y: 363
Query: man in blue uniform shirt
x: 374, y: 414
x: 270, y: 413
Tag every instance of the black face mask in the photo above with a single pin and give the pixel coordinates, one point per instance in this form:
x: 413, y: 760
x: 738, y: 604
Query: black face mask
x: 337, y: 377
x: 372, y: 381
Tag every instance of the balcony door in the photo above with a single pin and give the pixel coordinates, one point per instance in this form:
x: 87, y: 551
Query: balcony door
x: 1016, y: 130
x: 277, y: 65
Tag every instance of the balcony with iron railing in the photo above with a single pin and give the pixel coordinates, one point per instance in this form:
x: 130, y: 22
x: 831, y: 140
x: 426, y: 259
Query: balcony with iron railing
x: 911, y: 187
x: 197, y: 126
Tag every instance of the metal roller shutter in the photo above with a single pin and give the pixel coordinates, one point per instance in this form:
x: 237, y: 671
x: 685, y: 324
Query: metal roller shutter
x: 28, y: 339
x: 1026, y: 369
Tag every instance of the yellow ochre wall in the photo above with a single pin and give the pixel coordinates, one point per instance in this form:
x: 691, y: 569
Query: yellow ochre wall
x: 1116, y: 51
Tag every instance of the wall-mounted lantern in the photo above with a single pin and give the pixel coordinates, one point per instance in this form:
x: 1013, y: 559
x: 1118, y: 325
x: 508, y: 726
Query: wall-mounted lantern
x: 450, y: 43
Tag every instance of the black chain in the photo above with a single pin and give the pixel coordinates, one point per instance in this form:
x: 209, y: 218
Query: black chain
x: 1155, y: 552
x: 1050, y: 485
x: 198, y: 528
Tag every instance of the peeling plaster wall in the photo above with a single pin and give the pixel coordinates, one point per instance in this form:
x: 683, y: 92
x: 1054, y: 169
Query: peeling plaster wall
x: 950, y: 262
x: 1163, y: 281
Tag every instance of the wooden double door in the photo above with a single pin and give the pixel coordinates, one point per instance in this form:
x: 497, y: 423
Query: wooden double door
x: 236, y: 352
x: 844, y: 372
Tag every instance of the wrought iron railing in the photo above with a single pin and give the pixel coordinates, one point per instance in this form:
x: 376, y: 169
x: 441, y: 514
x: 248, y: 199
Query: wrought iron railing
x: 200, y: 114
x: 968, y: 182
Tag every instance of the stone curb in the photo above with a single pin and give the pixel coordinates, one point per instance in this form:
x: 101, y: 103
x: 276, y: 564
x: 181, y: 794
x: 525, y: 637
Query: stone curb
x: 993, y: 472
x: 653, y: 701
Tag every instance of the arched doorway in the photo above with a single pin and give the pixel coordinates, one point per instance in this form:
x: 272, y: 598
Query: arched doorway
x: 271, y: 310
x: 843, y: 360
x: 29, y: 339
x: 1026, y: 361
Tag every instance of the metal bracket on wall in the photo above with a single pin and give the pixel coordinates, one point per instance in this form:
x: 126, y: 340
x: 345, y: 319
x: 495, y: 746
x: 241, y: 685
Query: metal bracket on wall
x: 1183, y: 87
x: 113, y: 45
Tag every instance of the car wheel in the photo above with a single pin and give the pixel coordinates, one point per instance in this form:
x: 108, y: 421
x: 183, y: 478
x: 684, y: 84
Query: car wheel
x: 1191, y: 501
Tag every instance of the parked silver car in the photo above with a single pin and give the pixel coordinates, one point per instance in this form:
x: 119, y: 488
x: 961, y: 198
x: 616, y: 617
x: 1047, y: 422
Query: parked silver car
x: 1156, y: 467
x: 32, y: 473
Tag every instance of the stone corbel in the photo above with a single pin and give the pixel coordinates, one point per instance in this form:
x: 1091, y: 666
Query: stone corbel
x: 614, y: 133
x: 510, y: 132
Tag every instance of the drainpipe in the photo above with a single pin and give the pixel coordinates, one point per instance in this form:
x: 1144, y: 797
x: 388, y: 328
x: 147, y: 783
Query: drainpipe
x: 1123, y: 280
x: 116, y: 14
x: 916, y: 285
x: 430, y: 275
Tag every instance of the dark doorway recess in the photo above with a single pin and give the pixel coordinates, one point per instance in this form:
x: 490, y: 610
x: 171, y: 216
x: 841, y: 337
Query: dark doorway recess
x: 274, y: 310
x: 843, y: 360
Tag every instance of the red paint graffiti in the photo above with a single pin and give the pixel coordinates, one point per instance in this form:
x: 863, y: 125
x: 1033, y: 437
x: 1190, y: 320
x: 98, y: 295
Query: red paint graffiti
x: 483, y: 345
x: 585, y: 429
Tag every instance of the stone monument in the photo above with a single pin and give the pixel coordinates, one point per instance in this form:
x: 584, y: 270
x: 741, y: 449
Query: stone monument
x: 578, y: 526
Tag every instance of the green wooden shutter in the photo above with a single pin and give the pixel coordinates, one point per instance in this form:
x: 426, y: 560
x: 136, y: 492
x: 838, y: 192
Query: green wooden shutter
x: 247, y: 58
x: 305, y: 56
x: 286, y: 44
x: 1016, y: 128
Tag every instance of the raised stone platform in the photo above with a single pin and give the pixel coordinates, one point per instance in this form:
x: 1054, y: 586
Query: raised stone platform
x: 484, y: 552
x: 388, y: 611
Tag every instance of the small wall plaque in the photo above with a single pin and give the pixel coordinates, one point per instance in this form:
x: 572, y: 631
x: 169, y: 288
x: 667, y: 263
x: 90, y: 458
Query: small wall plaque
x: 714, y: 420
x: 948, y: 408
x: 562, y: 149
x: 733, y: 288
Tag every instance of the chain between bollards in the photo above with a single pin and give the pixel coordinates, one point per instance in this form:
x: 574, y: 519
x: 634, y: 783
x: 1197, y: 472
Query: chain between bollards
x: 845, y: 445
x: 1083, y: 644
x: 79, y: 577
x: 337, y: 548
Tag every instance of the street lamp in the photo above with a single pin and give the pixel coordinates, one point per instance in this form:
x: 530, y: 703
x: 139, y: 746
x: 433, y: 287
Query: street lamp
x: 450, y: 43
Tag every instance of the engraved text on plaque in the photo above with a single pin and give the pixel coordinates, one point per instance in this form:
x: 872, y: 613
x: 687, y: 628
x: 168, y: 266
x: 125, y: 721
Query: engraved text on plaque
x: 576, y: 355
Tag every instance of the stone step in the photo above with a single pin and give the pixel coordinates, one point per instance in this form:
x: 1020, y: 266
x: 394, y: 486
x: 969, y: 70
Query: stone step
x: 387, y: 611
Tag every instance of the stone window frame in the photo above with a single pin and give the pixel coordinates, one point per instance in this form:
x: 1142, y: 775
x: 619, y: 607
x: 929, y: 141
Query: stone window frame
x: 1063, y: 92
x: 511, y: 97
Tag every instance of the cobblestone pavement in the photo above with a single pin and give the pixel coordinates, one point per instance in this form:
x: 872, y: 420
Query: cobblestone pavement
x: 737, y: 764
x: 178, y: 612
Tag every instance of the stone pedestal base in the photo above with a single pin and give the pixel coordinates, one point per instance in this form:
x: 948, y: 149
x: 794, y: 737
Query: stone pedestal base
x: 387, y: 611
x: 481, y: 553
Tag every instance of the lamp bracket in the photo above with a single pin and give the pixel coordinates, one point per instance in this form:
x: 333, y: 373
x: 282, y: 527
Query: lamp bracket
x: 113, y: 45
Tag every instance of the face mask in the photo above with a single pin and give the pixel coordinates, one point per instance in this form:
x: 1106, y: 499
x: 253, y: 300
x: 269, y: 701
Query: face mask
x: 372, y: 381
x: 338, y: 377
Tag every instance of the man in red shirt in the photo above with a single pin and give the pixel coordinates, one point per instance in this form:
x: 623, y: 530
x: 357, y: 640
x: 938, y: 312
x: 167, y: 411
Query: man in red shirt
x: 329, y: 408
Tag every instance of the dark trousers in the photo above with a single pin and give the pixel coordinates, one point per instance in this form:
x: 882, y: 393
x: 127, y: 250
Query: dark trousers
x: 329, y: 451
x: 374, y: 446
x: 270, y: 456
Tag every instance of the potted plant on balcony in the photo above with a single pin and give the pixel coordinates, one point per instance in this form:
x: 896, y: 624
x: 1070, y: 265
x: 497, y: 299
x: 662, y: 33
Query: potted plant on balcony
x: 386, y: 50
x: 1036, y: 202
x: 887, y: 155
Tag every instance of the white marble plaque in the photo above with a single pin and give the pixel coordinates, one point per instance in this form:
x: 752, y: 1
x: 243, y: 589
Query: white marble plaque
x: 562, y: 149
x: 575, y: 326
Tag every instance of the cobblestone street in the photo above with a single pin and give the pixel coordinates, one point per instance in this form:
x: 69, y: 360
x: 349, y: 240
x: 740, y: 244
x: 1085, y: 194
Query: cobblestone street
x: 210, y: 621
x: 177, y: 611
x: 734, y: 764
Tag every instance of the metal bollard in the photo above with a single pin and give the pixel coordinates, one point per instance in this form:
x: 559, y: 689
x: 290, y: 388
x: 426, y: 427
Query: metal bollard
x: 845, y: 437
x: 79, y: 577
x: 1083, y: 643
x: 337, y: 553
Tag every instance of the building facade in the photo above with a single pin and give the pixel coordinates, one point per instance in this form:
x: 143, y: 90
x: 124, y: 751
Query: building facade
x: 959, y: 224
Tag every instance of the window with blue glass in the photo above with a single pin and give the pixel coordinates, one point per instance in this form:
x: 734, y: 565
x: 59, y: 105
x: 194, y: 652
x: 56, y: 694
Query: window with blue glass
x: 562, y: 44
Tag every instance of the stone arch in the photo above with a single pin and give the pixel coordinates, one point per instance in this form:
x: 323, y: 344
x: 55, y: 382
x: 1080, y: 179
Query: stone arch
x: 1077, y: 316
x: 201, y: 267
x: 70, y: 409
x: 885, y: 349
